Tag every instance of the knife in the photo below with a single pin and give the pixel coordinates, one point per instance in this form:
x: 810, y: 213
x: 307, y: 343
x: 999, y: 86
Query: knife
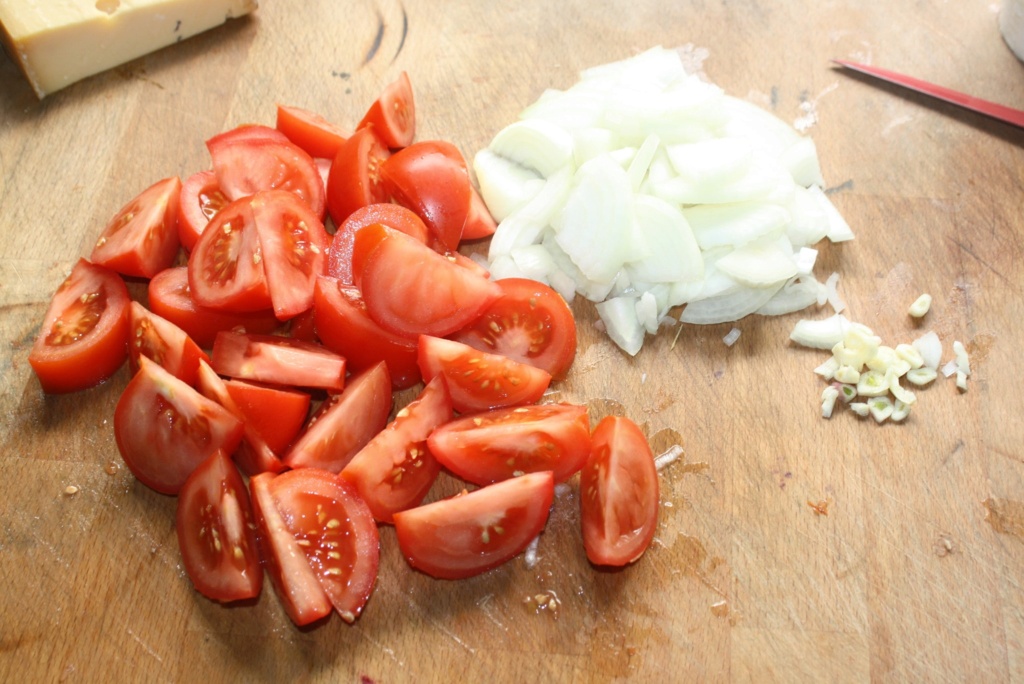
x: 1014, y: 117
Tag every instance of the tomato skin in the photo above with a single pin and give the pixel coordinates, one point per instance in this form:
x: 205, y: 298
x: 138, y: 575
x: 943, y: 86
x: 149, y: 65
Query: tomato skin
x: 225, y: 269
x: 339, y: 263
x: 504, y: 443
x: 479, y: 222
x: 170, y: 297
x: 335, y: 529
x: 293, y: 244
x: 310, y: 131
x: 275, y: 413
x: 164, y: 429
x: 215, y: 532
x: 354, y: 179
x: 395, y: 470
x: 618, y: 494
x: 426, y: 178
x: 200, y: 201
x: 294, y: 581
x: 345, y: 328
x: 278, y: 361
x: 393, y: 114
x: 142, y: 238
x: 84, y: 336
x: 410, y: 289
x: 345, y: 423
x: 249, y: 165
x: 479, y: 381
x: 472, y: 533
x: 530, y: 323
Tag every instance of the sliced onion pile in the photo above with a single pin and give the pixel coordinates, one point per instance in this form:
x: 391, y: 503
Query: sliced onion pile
x: 643, y: 188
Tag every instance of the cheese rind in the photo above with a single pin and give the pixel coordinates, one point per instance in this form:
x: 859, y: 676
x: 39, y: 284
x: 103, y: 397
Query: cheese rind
x: 59, y: 42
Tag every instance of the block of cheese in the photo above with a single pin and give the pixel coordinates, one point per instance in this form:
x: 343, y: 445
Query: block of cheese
x: 59, y: 42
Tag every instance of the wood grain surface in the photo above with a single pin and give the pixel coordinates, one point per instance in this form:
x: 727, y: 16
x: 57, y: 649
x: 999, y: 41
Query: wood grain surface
x: 790, y: 548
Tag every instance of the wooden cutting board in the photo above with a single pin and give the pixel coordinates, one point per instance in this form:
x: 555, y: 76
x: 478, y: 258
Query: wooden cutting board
x: 789, y: 548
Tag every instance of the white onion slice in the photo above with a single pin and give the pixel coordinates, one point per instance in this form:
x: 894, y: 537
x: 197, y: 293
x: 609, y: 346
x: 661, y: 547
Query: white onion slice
x: 643, y: 188
x: 820, y: 334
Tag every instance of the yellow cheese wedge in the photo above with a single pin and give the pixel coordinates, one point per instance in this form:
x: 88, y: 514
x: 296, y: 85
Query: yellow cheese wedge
x: 59, y: 42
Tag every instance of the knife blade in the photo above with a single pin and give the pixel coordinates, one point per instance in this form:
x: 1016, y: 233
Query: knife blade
x: 1014, y: 117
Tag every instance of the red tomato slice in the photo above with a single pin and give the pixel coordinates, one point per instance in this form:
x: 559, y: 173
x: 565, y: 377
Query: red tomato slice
x: 618, y: 493
x: 215, y: 532
x: 295, y: 583
x: 479, y: 381
x: 142, y: 238
x: 505, y: 443
x: 84, y: 336
x: 201, y: 199
x: 473, y: 533
x: 225, y: 269
x: 345, y: 423
x: 530, y: 323
x: 247, y: 166
x: 247, y: 132
x: 335, y: 530
x: 393, y: 114
x: 278, y: 361
x: 346, y: 329
x: 253, y: 454
x: 293, y: 248
x: 394, y: 471
x: 479, y: 222
x: 163, y: 342
x: 310, y: 131
x: 275, y: 414
x: 165, y: 429
x: 354, y: 180
x: 171, y: 298
x: 303, y: 327
x: 410, y: 289
x: 426, y: 178
x: 339, y: 264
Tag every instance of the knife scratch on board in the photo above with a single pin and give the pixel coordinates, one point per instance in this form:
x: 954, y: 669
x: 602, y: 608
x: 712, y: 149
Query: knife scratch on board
x: 967, y: 249
x: 146, y: 647
x: 440, y: 627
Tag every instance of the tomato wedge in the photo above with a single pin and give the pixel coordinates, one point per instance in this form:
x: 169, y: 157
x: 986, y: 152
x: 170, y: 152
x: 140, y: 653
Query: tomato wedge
x: 427, y: 178
x: 479, y: 222
x: 530, y: 323
x: 253, y: 454
x: 293, y: 248
x: 345, y: 423
x: 215, y: 532
x: 248, y: 165
x: 246, y: 132
x: 335, y: 530
x: 345, y: 328
x: 84, y: 336
x: 339, y: 264
x: 225, y: 269
x: 276, y: 414
x: 410, y: 289
x: 171, y: 298
x: 479, y: 381
x: 354, y: 179
x: 142, y: 238
x: 394, y: 471
x: 310, y: 131
x: 505, y: 443
x: 200, y: 201
x: 163, y: 342
x: 618, y: 493
x: 278, y: 361
x: 393, y: 114
x: 473, y: 533
x: 295, y: 583
x: 165, y: 429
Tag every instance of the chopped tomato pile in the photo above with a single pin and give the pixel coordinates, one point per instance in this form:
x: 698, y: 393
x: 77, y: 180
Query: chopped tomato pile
x: 293, y: 287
